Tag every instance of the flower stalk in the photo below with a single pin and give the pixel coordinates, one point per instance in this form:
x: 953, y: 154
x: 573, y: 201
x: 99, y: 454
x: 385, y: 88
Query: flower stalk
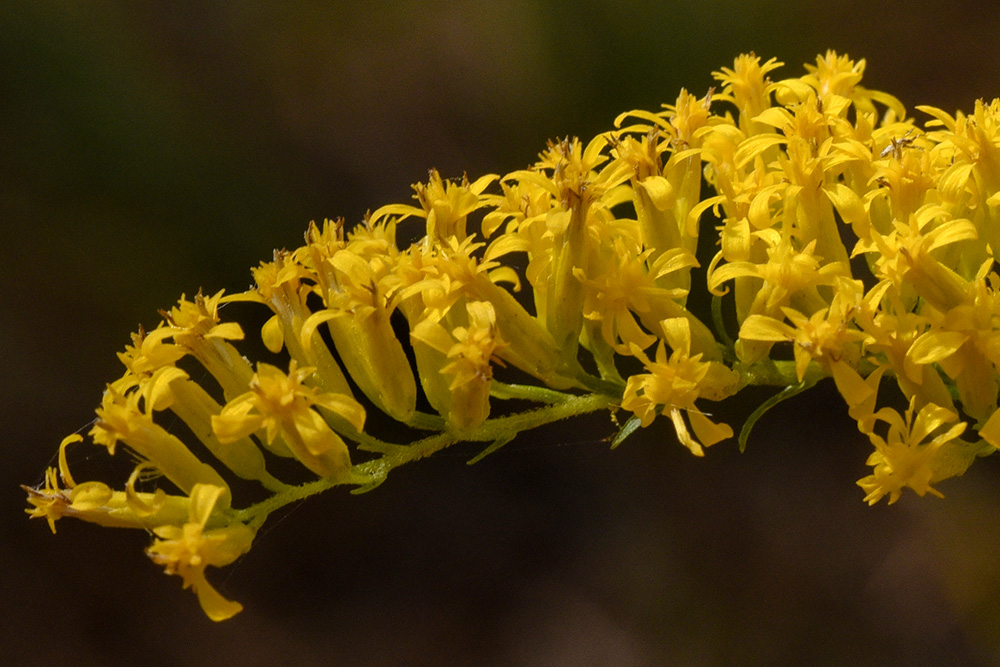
x: 851, y: 242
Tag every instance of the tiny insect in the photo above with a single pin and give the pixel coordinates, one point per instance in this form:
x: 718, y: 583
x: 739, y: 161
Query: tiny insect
x: 896, y: 146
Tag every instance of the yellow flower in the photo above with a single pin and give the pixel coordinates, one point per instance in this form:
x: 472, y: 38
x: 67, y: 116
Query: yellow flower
x: 195, y: 325
x: 49, y: 502
x: 672, y: 385
x: 836, y: 75
x: 788, y: 272
x: 625, y: 286
x: 282, y: 405
x: 965, y: 344
x: 460, y: 389
x: 748, y: 87
x: 907, y: 256
x: 606, y: 234
x: 198, y: 320
x: 172, y: 388
x: 666, y: 197
x: 788, y: 277
x: 451, y: 272
x: 911, y: 454
x: 968, y: 146
x: 120, y: 418
x: 149, y: 352
x: 444, y: 204
x: 188, y: 549
x: 96, y: 502
x: 581, y: 196
x: 826, y: 337
x: 360, y: 295
x: 891, y: 330
x: 284, y: 286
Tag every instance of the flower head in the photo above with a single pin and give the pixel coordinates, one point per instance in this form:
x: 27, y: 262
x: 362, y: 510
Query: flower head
x: 604, y: 233
x: 674, y: 382
x: 912, y: 452
x: 188, y: 549
x: 284, y: 408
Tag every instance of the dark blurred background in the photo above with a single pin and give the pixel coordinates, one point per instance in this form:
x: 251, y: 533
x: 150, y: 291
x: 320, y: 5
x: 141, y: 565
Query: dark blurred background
x: 149, y: 149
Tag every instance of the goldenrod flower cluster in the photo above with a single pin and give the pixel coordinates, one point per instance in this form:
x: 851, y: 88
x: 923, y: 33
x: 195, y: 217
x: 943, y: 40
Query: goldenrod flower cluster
x: 851, y: 243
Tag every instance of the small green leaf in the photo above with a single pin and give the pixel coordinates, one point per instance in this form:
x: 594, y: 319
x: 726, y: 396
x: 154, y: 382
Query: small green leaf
x: 626, y: 430
x: 785, y: 393
x: 368, y: 487
x: 720, y: 325
x: 495, y: 445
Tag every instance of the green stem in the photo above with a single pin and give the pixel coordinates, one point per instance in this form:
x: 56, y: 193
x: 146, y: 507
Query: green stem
x: 372, y: 473
x: 527, y: 392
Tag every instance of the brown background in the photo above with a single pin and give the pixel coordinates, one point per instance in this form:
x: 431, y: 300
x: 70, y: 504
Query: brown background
x: 149, y: 149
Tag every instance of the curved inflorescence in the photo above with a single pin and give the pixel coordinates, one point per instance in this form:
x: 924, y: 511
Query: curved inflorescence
x: 851, y: 243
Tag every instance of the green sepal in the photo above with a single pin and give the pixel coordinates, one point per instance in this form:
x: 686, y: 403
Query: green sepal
x: 626, y: 430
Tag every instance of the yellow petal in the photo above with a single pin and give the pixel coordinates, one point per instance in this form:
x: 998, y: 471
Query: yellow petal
x: 847, y: 202
x: 708, y: 432
x: 934, y: 346
x: 682, y: 433
x: 272, y: 335
x: 990, y: 431
x: 213, y: 604
x: 761, y: 327
x: 660, y: 192
x: 851, y: 386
